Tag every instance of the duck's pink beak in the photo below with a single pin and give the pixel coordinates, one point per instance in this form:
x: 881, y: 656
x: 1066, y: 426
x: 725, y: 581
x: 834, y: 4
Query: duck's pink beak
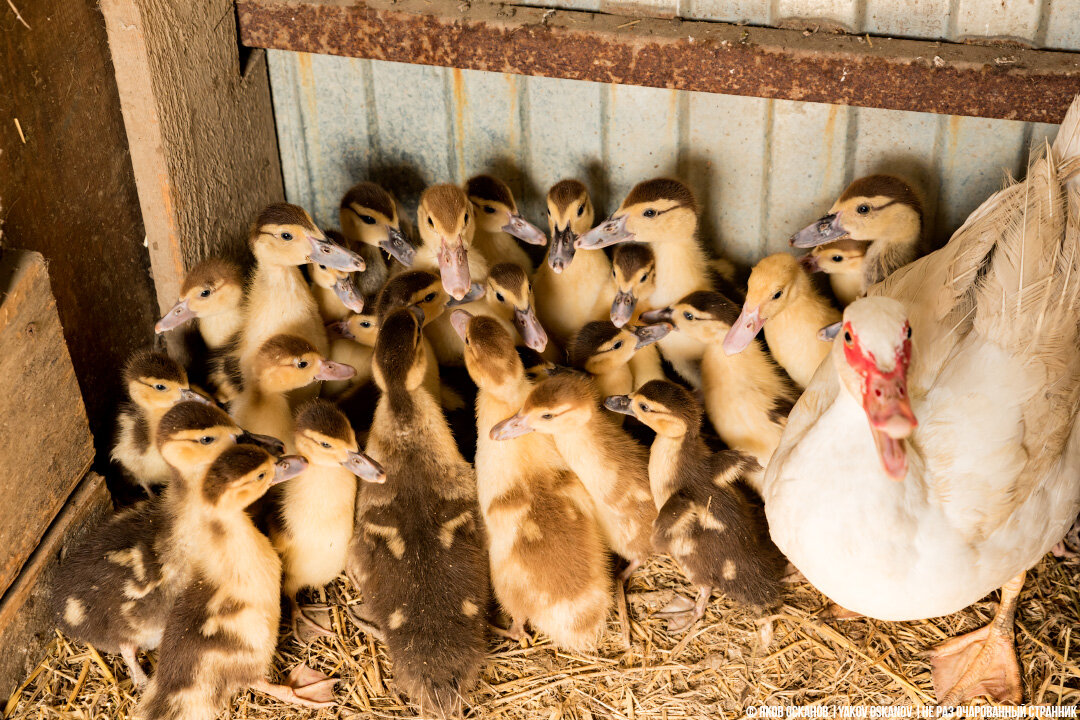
x: 510, y: 428
x: 532, y: 332
x: 330, y: 370
x: 454, y: 269
x: 177, y: 316
x: 743, y: 332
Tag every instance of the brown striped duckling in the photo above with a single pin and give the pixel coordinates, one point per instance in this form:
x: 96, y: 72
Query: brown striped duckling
x: 418, y: 552
x: 313, y: 524
x: 371, y: 216
x: 154, y: 383
x: 510, y: 297
x: 747, y: 396
x: 633, y: 280
x: 222, y: 628
x: 548, y: 562
x: 498, y: 223
x: 447, y: 226
x: 706, y: 521
x: 605, y: 352
x: 843, y: 261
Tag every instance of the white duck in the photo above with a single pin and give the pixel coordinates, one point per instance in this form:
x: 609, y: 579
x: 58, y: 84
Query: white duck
x: 936, y: 456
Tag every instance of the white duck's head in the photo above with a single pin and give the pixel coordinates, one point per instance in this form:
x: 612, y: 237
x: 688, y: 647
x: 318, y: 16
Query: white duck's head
x: 872, y: 356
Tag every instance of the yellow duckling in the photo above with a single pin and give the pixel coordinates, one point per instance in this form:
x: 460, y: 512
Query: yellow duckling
x: 498, y: 223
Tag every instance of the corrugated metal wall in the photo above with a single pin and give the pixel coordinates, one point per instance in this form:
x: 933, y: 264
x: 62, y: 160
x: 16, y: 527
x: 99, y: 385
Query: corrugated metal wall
x: 763, y: 168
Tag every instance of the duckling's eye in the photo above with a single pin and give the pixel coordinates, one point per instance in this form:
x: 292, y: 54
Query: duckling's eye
x: 325, y: 445
x: 838, y: 258
x: 688, y: 315
x: 365, y: 324
x: 160, y: 388
x: 581, y: 210
x: 262, y: 476
x: 429, y: 297
x: 466, y: 218
x: 644, y: 277
x: 430, y: 222
x: 863, y: 209
x: 649, y: 212
x: 286, y: 236
x: 777, y: 294
x: 367, y: 219
x: 206, y: 439
x: 302, y: 364
x: 617, y: 345
x: 613, y: 273
x: 546, y: 416
x: 205, y: 293
x: 643, y: 407
x: 847, y: 337
x: 322, y: 267
x: 499, y: 297
x: 487, y: 208
x: 909, y: 333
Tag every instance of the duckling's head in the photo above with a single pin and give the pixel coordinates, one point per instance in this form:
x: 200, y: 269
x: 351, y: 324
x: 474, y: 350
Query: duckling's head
x: 599, y: 347
x: 669, y: 409
x: 156, y: 382
x: 214, y: 286
x: 447, y: 224
x: 536, y: 366
x: 369, y: 214
x: 876, y: 207
x: 339, y: 281
x: 361, y: 328
x: 510, y: 295
x: 703, y: 315
x: 285, y: 234
x: 657, y: 210
x: 561, y: 404
x: 243, y: 473
x: 774, y: 283
x: 490, y: 356
x: 399, y: 362
x: 414, y: 289
x: 496, y: 211
x: 287, y: 362
x: 872, y: 354
x: 633, y: 270
x: 570, y: 215
x: 325, y: 437
x: 842, y: 256
x: 192, y: 434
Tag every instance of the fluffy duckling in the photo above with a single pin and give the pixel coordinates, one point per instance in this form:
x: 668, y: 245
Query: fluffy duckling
x: 283, y: 238
x: 781, y: 298
x: 352, y: 342
x: 663, y: 213
x: 510, y: 297
x: 605, y: 352
x: 314, y: 522
x: 747, y: 397
x: 118, y: 583
x: 222, y: 628
x: 571, y: 290
x: 498, y: 223
x: 370, y: 216
x: 335, y: 291
x: 548, y: 562
x: 154, y: 384
x: 612, y: 466
x: 881, y: 210
x: 284, y: 363
x: 843, y: 261
x: 633, y: 280
x: 418, y: 549
x: 706, y: 521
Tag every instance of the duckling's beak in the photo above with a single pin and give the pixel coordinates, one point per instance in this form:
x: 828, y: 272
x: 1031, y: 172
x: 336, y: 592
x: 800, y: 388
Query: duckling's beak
x: 656, y: 316
x: 611, y: 231
x: 829, y: 332
x: 532, y: 332
x: 330, y: 370
x: 562, y: 249
x: 398, y: 246
x: 418, y: 313
x: 287, y: 468
x: 329, y: 253
x: 510, y: 428
x: 810, y: 263
x: 619, y: 404
x: 177, y: 316
x: 270, y: 444
x: 340, y: 328
x: 622, y: 308
x: 648, y: 334
x: 189, y: 394
x: 476, y: 291
x: 454, y: 269
x: 743, y: 332
x: 819, y: 232
x: 524, y: 230
x: 347, y: 293
x: 460, y: 320
x: 365, y: 468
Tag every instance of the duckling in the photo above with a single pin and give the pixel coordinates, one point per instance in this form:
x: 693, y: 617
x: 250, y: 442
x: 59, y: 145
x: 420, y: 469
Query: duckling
x: 314, y: 521
x: 352, y: 341
x: 418, y: 549
x: 747, y: 397
x: 605, y: 351
x: 284, y: 237
x: 633, y: 280
x: 843, y: 262
x: 612, y: 466
x: 117, y: 583
x: 154, y: 384
x: 222, y: 629
x: 370, y: 216
x: 335, y: 291
x: 498, y: 222
x: 882, y: 210
x: 548, y: 561
x: 663, y: 213
x: 571, y: 290
x: 284, y: 363
x: 706, y: 521
x: 510, y: 298
x: 781, y: 298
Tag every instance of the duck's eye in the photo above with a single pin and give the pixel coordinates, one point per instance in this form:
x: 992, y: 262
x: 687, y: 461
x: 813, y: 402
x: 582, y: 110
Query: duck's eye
x: 262, y: 476
x: 863, y: 209
x: 367, y: 219
x: 688, y: 315
x: 617, y: 345
x: 777, y: 294
x: 644, y: 277
x: 546, y: 416
x: 429, y: 297
x: 499, y: 297
x: 847, y: 337
x: 286, y: 236
x: 322, y: 267
x: 205, y: 293
x: 838, y: 258
x: 302, y: 364
x: 613, y: 274
x: 365, y: 324
x: 206, y: 439
x: 160, y: 388
x: 325, y: 445
x: 466, y: 218
x: 649, y: 212
x: 430, y: 222
x: 643, y: 407
x: 488, y: 209
x: 581, y: 210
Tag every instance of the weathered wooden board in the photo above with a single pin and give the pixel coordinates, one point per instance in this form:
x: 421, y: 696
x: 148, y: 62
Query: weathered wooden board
x: 45, y: 441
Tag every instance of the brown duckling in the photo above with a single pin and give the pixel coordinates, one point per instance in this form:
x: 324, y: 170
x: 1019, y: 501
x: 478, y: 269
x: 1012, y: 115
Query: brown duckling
x: 335, y: 291
x: 418, y: 550
x: 352, y: 342
x: 843, y: 261
x: 154, y: 384
x: 605, y: 352
x: 548, y: 561
x: 498, y: 223
x: 314, y: 521
x: 222, y: 628
x: 371, y: 216
x: 447, y: 226
x: 510, y: 297
x: 633, y: 280
x: 706, y: 521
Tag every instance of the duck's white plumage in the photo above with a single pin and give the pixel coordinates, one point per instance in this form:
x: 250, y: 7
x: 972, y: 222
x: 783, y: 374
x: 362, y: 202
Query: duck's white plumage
x: 993, y: 477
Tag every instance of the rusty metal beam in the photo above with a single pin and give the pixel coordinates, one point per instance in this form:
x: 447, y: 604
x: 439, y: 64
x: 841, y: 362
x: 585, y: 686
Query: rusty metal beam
x: 993, y: 81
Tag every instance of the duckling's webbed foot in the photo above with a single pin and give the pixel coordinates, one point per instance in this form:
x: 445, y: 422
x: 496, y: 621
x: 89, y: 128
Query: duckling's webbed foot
x: 683, y: 612
x: 516, y: 632
x: 365, y: 625
x: 130, y: 653
x: 304, y: 687
x: 307, y: 628
x: 838, y: 612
